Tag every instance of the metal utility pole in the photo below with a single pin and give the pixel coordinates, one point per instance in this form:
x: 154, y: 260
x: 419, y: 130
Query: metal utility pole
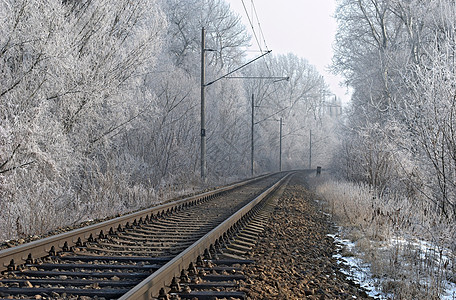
x: 203, y: 105
x: 203, y: 98
x: 251, y: 142
x: 280, y: 150
x: 310, y: 149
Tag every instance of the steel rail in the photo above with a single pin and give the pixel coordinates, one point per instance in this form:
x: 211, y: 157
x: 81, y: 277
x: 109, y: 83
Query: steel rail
x: 40, y: 248
x: 150, y: 287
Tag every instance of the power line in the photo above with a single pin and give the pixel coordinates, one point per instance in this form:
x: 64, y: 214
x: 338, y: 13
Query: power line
x: 254, y: 14
x: 259, y: 25
x: 261, y: 34
x: 251, y: 25
x: 238, y: 68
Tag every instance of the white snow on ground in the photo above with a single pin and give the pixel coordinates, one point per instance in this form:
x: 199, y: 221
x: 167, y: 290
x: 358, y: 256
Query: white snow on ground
x: 359, y: 271
x: 439, y: 255
x: 450, y: 291
x: 356, y: 269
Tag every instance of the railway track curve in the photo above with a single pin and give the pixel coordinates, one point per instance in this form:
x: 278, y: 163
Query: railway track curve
x: 149, y: 253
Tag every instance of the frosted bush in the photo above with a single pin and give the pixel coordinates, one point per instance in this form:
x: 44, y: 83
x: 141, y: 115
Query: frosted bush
x: 408, y: 244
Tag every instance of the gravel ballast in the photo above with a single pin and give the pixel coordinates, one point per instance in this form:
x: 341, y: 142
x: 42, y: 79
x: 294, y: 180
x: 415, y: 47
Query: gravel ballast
x: 294, y: 254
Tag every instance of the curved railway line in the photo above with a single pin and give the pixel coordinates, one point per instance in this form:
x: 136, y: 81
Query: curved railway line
x: 186, y: 249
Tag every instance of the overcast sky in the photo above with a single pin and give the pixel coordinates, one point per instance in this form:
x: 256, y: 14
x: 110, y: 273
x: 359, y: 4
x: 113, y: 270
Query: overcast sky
x: 303, y: 27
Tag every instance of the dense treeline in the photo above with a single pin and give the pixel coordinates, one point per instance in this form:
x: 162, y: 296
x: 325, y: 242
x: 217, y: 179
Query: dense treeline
x: 396, y: 194
x: 100, y: 106
x: 399, y: 57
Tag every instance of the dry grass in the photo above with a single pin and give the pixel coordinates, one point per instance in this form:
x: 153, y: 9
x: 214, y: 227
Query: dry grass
x: 408, y: 245
x: 46, y: 209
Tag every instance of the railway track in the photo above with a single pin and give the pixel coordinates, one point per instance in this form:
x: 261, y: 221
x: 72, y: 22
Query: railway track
x: 192, y: 248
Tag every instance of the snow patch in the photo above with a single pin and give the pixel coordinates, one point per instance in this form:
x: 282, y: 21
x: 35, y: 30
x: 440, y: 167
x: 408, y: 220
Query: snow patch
x: 428, y: 251
x: 359, y: 271
x: 355, y: 269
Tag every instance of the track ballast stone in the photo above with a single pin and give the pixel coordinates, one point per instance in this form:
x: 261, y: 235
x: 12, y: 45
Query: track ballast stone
x: 294, y: 254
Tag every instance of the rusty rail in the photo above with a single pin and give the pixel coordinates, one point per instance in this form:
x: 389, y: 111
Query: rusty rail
x: 18, y: 255
x: 150, y: 287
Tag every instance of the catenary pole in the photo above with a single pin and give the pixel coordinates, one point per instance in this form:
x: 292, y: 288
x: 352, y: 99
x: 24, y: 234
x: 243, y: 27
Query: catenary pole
x: 310, y: 149
x: 280, y: 148
x: 251, y: 141
x: 203, y: 105
x: 203, y: 98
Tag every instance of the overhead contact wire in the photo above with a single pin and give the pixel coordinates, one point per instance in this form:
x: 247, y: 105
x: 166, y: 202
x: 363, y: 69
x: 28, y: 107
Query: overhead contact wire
x: 251, y: 25
x: 261, y: 34
x: 259, y: 26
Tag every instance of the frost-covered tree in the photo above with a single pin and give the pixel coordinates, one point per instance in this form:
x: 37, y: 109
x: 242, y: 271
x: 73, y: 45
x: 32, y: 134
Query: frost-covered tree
x: 398, y: 138
x: 398, y: 57
x: 100, y: 106
x: 225, y: 33
x: 298, y: 101
x: 68, y: 70
x: 180, y: 63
